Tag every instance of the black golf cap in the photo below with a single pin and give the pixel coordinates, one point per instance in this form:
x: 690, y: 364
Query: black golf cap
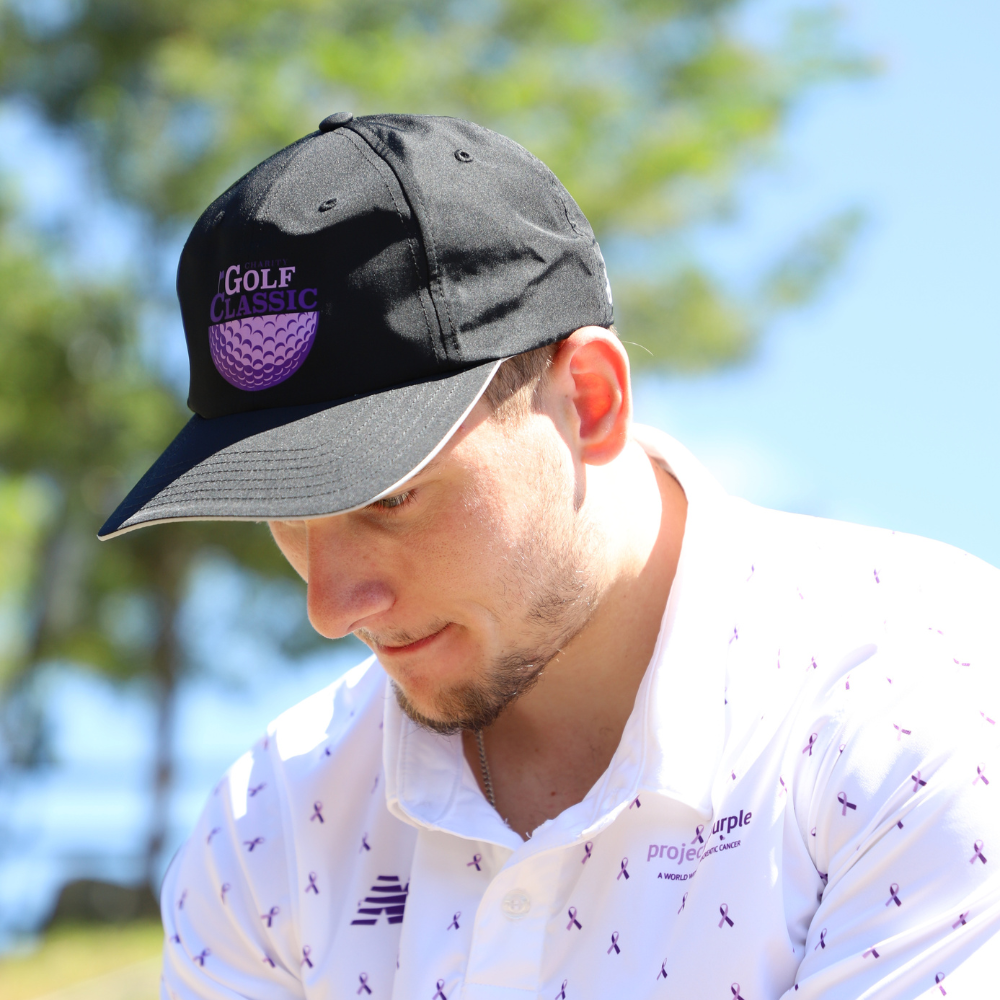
x: 347, y: 302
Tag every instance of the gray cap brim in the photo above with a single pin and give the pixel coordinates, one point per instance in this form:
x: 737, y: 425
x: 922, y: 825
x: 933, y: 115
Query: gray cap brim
x: 301, y: 461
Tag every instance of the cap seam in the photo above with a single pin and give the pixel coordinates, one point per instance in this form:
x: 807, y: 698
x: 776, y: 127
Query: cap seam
x: 366, y: 151
x: 448, y: 333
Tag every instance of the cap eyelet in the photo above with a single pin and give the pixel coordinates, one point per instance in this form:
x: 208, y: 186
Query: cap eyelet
x: 325, y: 206
x: 462, y: 156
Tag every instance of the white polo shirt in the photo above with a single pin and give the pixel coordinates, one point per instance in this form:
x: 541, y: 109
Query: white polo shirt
x: 804, y: 804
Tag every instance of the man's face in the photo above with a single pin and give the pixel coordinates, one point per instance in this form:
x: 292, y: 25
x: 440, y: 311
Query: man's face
x: 469, y: 580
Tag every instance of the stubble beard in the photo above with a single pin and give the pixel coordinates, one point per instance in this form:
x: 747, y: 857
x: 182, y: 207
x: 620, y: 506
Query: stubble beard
x: 554, y: 566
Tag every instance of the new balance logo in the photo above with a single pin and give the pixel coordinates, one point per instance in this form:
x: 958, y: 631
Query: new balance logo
x: 388, y: 897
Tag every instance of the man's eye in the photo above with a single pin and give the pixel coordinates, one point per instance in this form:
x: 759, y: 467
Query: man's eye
x: 387, y: 503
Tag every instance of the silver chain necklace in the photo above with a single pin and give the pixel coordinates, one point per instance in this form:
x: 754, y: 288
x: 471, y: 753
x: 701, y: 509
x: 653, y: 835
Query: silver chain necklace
x: 485, y: 768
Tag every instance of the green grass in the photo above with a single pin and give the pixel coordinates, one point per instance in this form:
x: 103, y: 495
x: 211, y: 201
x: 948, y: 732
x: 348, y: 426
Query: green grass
x: 67, y: 958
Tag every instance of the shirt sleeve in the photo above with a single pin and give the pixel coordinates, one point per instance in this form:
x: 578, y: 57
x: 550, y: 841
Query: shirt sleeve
x: 896, y: 799
x: 225, y: 901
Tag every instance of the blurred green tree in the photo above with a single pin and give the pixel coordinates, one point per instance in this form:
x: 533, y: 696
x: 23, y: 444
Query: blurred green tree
x: 650, y: 111
x: 80, y: 417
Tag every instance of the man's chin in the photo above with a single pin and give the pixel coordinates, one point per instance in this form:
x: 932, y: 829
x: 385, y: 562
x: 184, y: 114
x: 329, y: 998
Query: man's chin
x: 473, y: 707
x: 433, y: 723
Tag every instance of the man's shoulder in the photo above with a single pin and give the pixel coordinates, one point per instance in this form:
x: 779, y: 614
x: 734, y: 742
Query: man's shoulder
x: 838, y: 555
x: 331, y: 733
x: 332, y: 717
x: 313, y: 744
x: 311, y: 753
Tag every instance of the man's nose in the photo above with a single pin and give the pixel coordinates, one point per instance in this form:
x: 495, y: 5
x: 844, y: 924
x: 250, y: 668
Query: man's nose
x: 345, y: 588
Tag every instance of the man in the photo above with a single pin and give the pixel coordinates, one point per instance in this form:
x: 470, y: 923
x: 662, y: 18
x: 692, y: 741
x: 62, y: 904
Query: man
x: 620, y: 735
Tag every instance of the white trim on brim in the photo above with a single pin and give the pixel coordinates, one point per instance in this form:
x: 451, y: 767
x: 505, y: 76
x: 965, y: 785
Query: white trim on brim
x: 395, y: 487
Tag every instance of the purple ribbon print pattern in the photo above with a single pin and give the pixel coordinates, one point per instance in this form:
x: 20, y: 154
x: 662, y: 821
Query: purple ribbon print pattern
x: 306, y: 952
x: 872, y: 952
x: 561, y: 995
x: 662, y: 974
x: 439, y: 995
x: 454, y: 921
x: 894, y: 895
x: 364, y: 987
x: 980, y: 776
x: 724, y: 910
x: 918, y: 782
x: 312, y: 886
x: 200, y: 958
x: 937, y: 982
x: 624, y: 870
x: 588, y: 849
x: 684, y: 900
x: 977, y: 847
x: 251, y: 844
x: 476, y: 858
x: 822, y: 940
x: 270, y: 915
x: 614, y: 944
x: 809, y: 746
x: 735, y: 990
x: 842, y: 799
x: 961, y: 920
x: 317, y: 812
x: 572, y: 919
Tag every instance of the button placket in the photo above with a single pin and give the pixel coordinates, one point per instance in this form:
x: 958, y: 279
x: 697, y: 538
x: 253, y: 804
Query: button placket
x: 509, y: 935
x: 515, y: 904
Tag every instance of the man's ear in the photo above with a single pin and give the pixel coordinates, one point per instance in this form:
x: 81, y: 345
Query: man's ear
x: 590, y: 371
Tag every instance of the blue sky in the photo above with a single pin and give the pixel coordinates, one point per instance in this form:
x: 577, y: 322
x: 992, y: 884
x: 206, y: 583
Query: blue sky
x: 878, y: 404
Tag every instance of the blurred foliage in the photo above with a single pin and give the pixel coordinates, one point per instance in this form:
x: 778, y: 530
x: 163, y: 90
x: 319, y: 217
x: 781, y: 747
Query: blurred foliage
x: 650, y: 111
x: 81, y: 417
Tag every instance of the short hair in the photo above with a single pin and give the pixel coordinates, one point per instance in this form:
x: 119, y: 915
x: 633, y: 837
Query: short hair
x: 511, y: 393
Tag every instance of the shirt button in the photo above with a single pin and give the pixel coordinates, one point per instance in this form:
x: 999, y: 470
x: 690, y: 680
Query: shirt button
x: 515, y: 904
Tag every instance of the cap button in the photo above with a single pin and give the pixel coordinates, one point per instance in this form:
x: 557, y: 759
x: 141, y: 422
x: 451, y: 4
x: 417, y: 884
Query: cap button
x: 335, y: 120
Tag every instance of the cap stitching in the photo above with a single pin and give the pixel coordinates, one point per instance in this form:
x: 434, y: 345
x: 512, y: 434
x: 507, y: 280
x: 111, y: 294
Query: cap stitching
x: 430, y: 251
x: 183, y: 496
x: 363, y: 147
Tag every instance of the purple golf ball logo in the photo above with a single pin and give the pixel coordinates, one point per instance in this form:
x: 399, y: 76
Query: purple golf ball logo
x: 262, y: 324
x: 260, y: 351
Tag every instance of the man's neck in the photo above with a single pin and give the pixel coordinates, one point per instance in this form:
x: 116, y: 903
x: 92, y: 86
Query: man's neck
x: 549, y: 747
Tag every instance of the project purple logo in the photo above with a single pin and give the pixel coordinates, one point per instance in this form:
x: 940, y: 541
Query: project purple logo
x: 262, y: 326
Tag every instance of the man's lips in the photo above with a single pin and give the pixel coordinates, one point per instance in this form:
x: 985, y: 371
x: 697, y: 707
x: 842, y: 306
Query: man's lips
x: 410, y: 647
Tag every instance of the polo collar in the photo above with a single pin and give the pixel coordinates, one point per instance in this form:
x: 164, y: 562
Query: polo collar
x: 673, y: 740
